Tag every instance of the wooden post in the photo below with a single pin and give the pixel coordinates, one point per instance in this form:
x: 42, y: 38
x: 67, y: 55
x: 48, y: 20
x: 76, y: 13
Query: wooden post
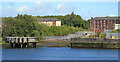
x: 12, y: 45
x: 27, y: 46
x: 101, y: 45
x: 32, y: 45
x: 21, y: 45
x: 15, y: 45
x: 74, y: 44
x: 71, y: 45
x: 35, y: 45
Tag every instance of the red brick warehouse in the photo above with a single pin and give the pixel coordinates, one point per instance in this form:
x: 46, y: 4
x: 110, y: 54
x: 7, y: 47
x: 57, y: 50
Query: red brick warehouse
x: 103, y: 23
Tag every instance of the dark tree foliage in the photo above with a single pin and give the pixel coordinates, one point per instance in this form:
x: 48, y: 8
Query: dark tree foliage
x: 27, y: 26
x: 70, y: 20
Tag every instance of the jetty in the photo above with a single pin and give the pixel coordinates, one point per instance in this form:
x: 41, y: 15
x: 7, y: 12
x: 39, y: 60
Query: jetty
x: 94, y: 43
x: 22, y: 42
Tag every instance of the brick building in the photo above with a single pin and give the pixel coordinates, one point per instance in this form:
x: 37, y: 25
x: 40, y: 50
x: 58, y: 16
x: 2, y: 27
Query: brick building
x: 103, y: 24
x: 50, y: 21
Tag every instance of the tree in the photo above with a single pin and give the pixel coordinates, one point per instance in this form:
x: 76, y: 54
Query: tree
x: 28, y: 26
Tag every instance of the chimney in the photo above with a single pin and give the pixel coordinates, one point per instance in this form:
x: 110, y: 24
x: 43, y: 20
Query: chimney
x: 91, y: 17
x: 107, y: 16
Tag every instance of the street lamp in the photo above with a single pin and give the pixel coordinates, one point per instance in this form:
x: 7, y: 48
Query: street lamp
x: 94, y: 27
x: 104, y: 24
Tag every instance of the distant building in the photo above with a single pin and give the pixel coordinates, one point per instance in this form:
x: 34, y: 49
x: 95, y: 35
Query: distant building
x: 103, y: 24
x: 0, y: 25
x: 84, y: 34
x: 117, y: 26
x: 50, y: 21
x: 113, y: 35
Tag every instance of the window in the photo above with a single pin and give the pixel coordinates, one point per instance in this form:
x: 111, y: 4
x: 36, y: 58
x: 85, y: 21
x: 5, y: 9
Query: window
x: 102, y: 20
x: 113, y: 21
x: 96, y: 23
x: 99, y: 23
x: 110, y: 20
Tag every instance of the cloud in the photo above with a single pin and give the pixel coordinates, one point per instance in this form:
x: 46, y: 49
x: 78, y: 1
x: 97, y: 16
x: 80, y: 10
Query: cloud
x: 9, y: 7
x: 22, y: 9
x: 38, y: 2
x: 6, y: 12
x: 62, y: 8
x: 60, y: 5
x: 41, y: 9
x: 0, y: 12
x: 87, y: 15
x: 112, y: 15
x: 60, y: 0
x: 38, y: 9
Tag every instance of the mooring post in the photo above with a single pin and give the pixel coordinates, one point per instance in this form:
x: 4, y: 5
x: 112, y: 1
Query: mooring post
x: 27, y: 45
x: 70, y: 44
x: 35, y: 45
x: 101, y: 45
x: 21, y: 45
x: 11, y: 45
x: 32, y: 45
x: 15, y: 45
x: 74, y: 44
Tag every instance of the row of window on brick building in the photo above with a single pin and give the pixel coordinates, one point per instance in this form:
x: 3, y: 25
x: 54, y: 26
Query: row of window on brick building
x: 103, y: 24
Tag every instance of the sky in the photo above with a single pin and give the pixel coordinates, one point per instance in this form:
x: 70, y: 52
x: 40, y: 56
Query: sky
x: 43, y: 8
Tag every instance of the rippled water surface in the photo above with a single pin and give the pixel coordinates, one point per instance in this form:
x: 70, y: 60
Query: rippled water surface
x: 59, y: 53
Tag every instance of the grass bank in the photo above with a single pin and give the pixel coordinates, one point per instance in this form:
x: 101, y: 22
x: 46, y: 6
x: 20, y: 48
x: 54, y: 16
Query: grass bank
x: 53, y: 43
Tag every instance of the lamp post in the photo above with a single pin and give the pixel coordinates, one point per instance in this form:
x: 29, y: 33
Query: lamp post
x: 104, y: 24
x: 94, y: 27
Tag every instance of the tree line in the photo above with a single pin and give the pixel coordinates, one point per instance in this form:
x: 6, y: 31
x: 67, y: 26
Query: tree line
x: 27, y: 26
x: 70, y: 20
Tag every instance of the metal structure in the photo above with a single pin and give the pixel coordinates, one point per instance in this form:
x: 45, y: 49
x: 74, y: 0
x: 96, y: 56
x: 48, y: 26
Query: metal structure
x: 104, y: 25
x: 21, y: 42
x: 69, y: 36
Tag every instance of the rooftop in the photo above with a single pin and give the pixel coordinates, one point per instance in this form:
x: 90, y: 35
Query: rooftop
x: 107, y: 17
x: 48, y: 19
x: 21, y: 37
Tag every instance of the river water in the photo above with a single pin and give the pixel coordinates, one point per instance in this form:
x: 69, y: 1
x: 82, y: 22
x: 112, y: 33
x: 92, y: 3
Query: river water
x: 59, y: 53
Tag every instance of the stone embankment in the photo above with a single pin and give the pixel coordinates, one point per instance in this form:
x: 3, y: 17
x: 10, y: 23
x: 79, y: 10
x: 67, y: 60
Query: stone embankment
x: 95, y: 43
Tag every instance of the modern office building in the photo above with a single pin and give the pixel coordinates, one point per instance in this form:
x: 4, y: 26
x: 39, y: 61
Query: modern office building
x: 103, y: 24
x: 50, y: 21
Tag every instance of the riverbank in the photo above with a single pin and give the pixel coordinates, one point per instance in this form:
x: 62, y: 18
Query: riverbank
x: 53, y: 43
x: 77, y: 43
x: 46, y: 43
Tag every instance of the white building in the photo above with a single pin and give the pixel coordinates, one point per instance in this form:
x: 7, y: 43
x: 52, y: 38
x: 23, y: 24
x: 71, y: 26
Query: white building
x: 117, y: 26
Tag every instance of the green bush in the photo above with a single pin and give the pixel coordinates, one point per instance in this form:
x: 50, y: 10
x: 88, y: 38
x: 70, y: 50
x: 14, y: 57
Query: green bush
x: 27, y: 26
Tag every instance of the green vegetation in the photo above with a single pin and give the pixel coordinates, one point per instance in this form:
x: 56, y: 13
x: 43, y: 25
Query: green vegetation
x: 27, y: 25
x: 103, y: 35
x: 54, y: 43
x: 98, y: 35
x: 70, y: 20
x: 115, y: 31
